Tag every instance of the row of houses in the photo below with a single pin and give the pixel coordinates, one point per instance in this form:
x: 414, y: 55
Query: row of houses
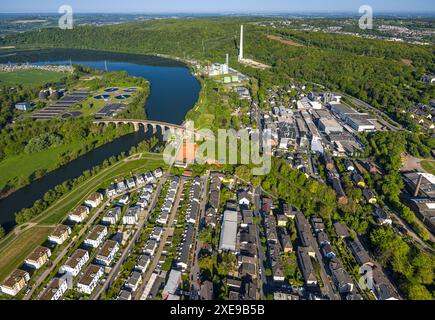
x: 211, y: 214
x: 41, y: 255
x: 169, y: 201
x: 133, y: 182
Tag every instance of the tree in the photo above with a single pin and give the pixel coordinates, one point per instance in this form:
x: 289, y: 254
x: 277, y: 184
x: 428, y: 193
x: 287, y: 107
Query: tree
x: 419, y: 292
x: 2, y: 232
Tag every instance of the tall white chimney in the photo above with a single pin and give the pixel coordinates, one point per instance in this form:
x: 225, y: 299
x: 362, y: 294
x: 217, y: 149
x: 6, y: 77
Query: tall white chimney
x: 241, y: 43
x: 227, y: 61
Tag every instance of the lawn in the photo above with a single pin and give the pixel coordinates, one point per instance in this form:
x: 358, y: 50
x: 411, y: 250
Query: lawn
x: 13, y: 255
x: 428, y: 166
x: 103, y: 179
x: 26, y: 164
x: 30, y: 78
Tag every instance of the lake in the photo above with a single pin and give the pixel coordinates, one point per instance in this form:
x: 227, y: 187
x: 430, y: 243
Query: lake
x: 174, y: 91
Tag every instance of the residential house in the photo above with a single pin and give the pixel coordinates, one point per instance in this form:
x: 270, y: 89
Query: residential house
x: 79, y: 214
x: 158, y: 173
x: 111, y: 191
x: 369, y: 196
x: 55, y: 289
x: 89, y: 280
x: 60, y: 234
x: 96, y: 236
x: 306, y: 267
x: 282, y: 220
x: 38, y: 257
x: 171, y: 287
x: 360, y: 254
x: 75, y: 263
x: 140, y: 181
x: 131, y: 216
x: 186, y: 246
x: 112, y: 216
x: 341, y: 230
x: 16, y: 281
x: 130, y: 183
x: 206, y: 291
x: 151, y: 247
x: 142, y: 263
x: 124, y: 295
x: 341, y: 278
x: 94, y: 200
x: 285, y: 241
x: 121, y: 187
x: 134, y: 281
x: 243, y: 198
x: 107, y: 253
x: 156, y: 234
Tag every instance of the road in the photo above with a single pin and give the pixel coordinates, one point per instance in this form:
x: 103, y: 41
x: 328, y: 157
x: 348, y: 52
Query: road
x: 262, y: 276
x: 410, y: 232
x: 194, y: 270
x: 64, y: 251
x: 138, y: 295
x: 98, y: 293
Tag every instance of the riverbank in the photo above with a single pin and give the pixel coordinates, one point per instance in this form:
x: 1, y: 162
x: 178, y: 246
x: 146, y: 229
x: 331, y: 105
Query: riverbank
x: 18, y: 244
x: 173, y: 92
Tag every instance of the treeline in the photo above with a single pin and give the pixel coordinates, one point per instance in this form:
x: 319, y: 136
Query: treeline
x: 375, y: 71
x: 57, y: 192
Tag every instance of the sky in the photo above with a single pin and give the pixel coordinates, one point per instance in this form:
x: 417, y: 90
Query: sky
x: 215, y: 6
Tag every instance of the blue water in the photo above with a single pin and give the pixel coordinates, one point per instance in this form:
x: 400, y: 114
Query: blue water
x: 174, y: 91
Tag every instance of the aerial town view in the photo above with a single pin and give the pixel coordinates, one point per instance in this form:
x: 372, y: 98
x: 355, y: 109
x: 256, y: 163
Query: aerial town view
x: 191, y: 151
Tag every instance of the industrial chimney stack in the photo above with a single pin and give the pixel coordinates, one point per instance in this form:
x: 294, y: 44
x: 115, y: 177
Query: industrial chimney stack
x: 227, y: 61
x: 241, y: 43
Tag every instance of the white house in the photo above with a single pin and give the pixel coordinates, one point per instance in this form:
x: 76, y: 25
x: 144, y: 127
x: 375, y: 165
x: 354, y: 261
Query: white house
x: 16, y: 281
x: 156, y: 234
x: 151, y: 247
x: 125, y: 199
x: 140, y: 181
x: 94, y: 200
x: 96, y: 236
x: 112, y: 216
x: 107, y: 253
x: 60, y: 234
x: 143, y: 263
x: 131, y: 216
x: 38, y: 257
x: 55, y: 289
x: 130, y: 183
x: 149, y: 178
x: 75, y: 263
x: 79, y: 214
x: 111, y: 191
x: 134, y: 280
x: 158, y: 173
x: 121, y: 187
x: 89, y: 280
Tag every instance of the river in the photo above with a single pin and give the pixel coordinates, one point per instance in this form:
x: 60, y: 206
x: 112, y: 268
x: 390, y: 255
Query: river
x: 174, y: 91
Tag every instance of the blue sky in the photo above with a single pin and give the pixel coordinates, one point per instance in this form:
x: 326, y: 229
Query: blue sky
x: 214, y: 6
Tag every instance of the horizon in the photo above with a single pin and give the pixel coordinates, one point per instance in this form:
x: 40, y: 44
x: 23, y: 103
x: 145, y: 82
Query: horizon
x: 221, y: 7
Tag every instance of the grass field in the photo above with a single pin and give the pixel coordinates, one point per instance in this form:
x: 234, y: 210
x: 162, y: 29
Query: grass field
x: 29, y: 78
x: 25, y: 164
x: 428, y: 166
x: 57, y: 212
x: 13, y: 255
x: 15, y: 249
